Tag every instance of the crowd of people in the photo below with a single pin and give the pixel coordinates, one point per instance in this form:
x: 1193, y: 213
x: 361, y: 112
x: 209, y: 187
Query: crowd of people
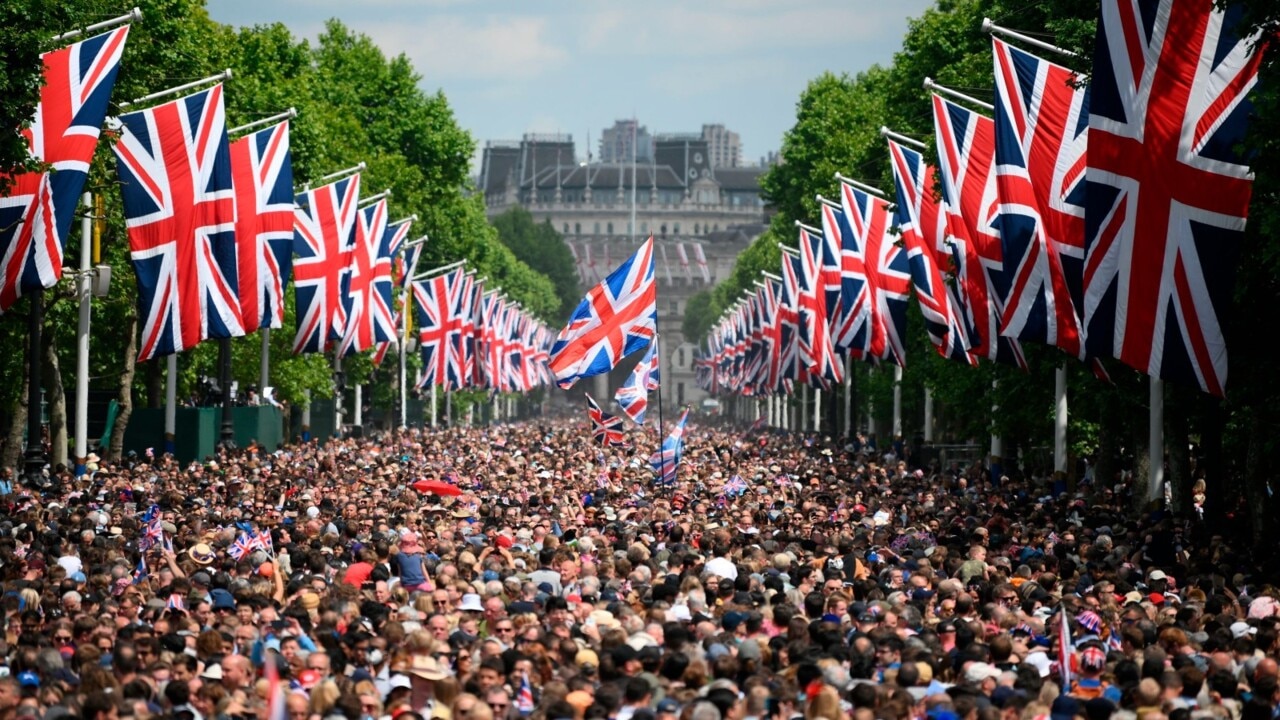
x: 780, y: 576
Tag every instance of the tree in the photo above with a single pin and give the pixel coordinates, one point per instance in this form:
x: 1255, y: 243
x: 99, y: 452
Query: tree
x: 543, y: 249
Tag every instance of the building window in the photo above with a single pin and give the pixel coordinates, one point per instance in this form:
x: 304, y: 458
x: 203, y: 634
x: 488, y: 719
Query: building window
x: 610, y: 230
x: 577, y: 228
x: 664, y: 229
x: 566, y: 228
x: 680, y: 358
x: 597, y: 231
x: 676, y: 229
x: 679, y: 393
x: 697, y: 229
x: 644, y: 227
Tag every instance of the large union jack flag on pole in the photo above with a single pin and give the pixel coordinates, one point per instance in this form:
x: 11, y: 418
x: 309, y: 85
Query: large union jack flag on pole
x: 966, y: 167
x: 437, y: 300
x: 369, y: 311
x: 825, y: 367
x: 849, y: 321
x: 1041, y: 130
x: 1168, y: 193
x: 616, y: 318
x: 922, y: 223
x: 174, y: 164
x: 36, y: 213
x: 633, y: 396
x: 885, y: 272
x: 324, y: 225
x: 263, y: 174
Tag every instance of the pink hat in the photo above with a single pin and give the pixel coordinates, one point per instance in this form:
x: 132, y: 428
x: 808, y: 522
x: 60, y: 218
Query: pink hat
x: 409, y: 543
x: 1263, y: 607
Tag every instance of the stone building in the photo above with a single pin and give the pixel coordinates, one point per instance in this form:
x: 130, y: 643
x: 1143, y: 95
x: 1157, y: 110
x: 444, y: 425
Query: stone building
x: 692, y: 209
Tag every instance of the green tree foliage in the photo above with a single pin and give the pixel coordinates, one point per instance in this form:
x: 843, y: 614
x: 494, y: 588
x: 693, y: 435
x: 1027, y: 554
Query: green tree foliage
x: 354, y: 103
x: 837, y: 118
x: 543, y: 249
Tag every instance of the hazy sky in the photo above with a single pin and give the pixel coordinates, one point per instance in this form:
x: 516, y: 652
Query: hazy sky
x: 515, y: 66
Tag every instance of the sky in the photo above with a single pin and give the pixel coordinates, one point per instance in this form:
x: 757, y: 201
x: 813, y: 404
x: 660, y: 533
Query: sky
x: 509, y: 67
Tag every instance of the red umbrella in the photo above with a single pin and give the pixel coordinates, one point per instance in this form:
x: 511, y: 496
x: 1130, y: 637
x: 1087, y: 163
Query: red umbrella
x: 437, y: 487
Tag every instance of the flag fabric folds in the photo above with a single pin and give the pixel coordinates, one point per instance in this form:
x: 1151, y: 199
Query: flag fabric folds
x: 37, y: 210
x: 616, y: 318
x: 1168, y: 192
x: 1041, y: 131
x: 437, y: 300
x: 701, y: 257
x: 174, y: 165
x: 922, y: 224
x: 633, y: 396
x: 262, y: 170
x: 324, y: 225
x: 885, y: 272
x: 825, y: 368
x: 368, y: 297
x: 966, y: 170
x: 666, y: 460
x: 606, y: 428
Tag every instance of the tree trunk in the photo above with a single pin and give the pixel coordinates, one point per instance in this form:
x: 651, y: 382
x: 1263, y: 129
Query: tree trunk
x: 1257, y: 473
x: 116, y: 448
x: 13, y: 445
x: 155, y: 384
x: 1177, y: 446
x: 57, y: 403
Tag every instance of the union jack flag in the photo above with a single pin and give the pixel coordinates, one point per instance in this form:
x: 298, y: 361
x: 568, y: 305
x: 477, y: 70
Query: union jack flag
x: 407, y: 262
x: 263, y: 173
x: 819, y: 352
x: 792, y: 366
x: 606, y: 428
x: 923, y: 226
x: 667, y: 460
x: 438, y: 301
x: 324, y: 227
x: 263, y: 541
x: 633, y: 396
x: 616, y: 318
x: 1168, y: 191
x: 176, y: 602
x: 140, y: 571
x: 684, y: 261
x: 735, y: 487
x: 1041, y: 131
x: 884, y: 271
x: 241, y: 547
x: 849, y: 322
x: 966, y: 168
x: 701, y: 257
x: 370, y: 315
x: 174, y: 164
x: 36, y: 214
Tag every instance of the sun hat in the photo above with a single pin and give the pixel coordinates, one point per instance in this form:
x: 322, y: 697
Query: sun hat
x: 201, y: 553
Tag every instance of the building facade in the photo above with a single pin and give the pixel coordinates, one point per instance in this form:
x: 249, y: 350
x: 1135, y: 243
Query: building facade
x: 616, y: 143
x: 701, y: 217
x: 724, y: 147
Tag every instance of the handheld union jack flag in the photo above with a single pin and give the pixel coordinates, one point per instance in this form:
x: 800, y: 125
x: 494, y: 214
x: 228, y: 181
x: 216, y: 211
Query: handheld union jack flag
x: 1168, y: 191
x: 1041, y: 124
x: 922, y: 224
x: 35, y: 216
x: 966, y: 168
x: 633, y: 396
x: 666, y: 461
x: 324, y: 225
x: 884, y: 270
x: 369, y: 310
x: 263, y: 173
x: 241, y: 547
x: 174, y: 164
x: 616, y: 318
x: 606, y: 428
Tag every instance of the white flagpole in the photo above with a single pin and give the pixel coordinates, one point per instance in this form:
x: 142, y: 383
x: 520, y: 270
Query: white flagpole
x: 220, y: 77
x: 84, y: 287
x: 1155, y: 475
x: 990, y: 27
x: 1060, y: 419
x: 171, y: 402
x: 286, y: 115
x: 131, y: 16
x: 897, y: 401
x: 928, y: 414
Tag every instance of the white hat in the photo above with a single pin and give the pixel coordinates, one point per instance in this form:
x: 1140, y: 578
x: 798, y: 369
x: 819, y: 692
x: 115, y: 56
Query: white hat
x: 212, y: 672
x: 400, y: 681
x: 1241, y: 628
x: 979, y: 671
x: 1156, y: 575
x: 471, y: 601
